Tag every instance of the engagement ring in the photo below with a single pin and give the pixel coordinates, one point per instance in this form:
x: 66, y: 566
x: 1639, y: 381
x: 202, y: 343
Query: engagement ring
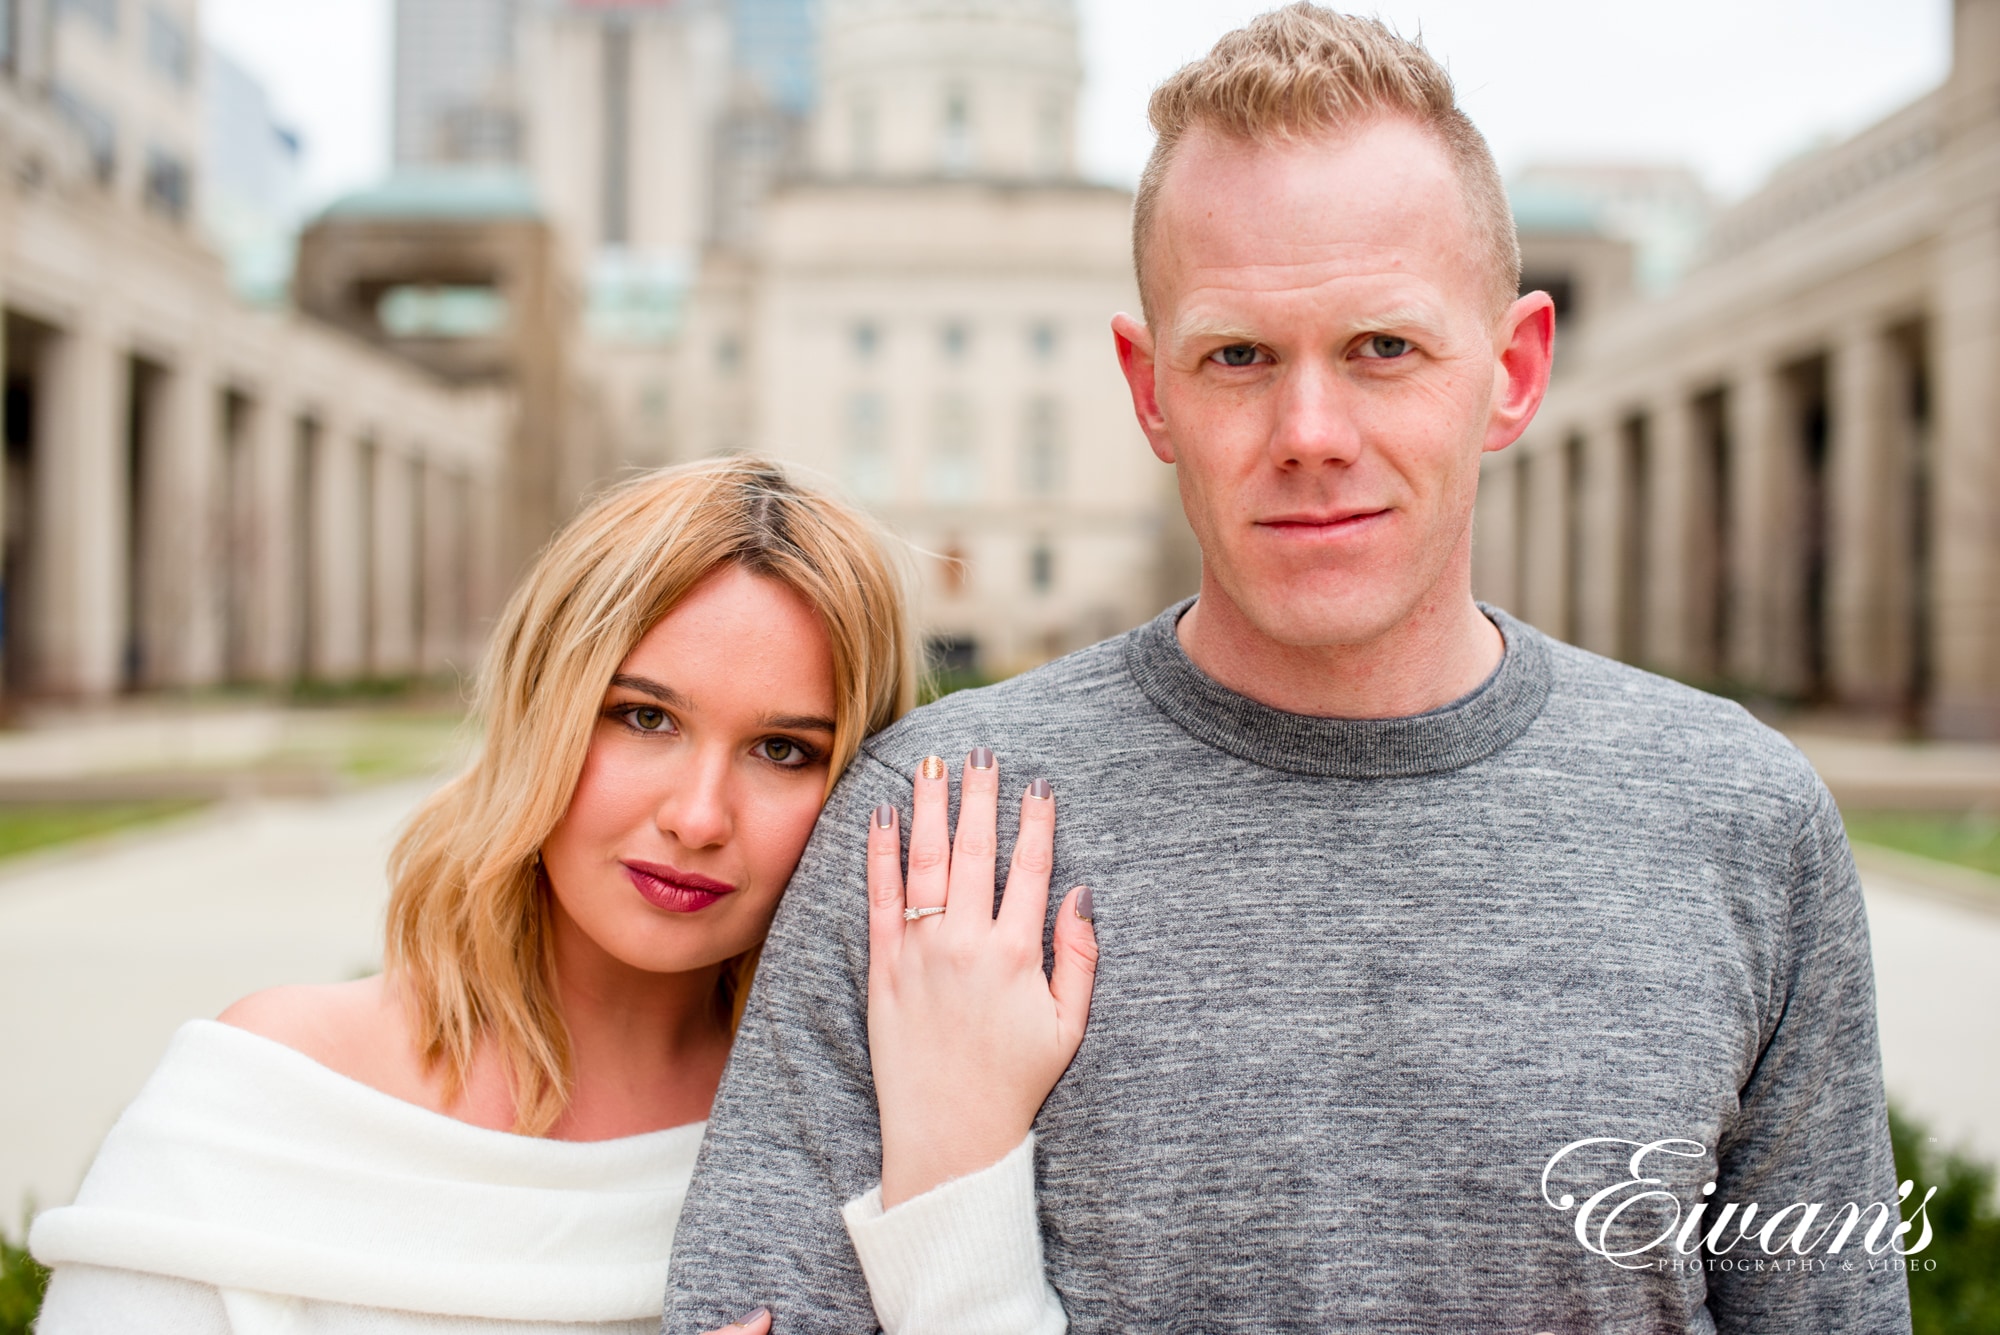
x: 911, y: 915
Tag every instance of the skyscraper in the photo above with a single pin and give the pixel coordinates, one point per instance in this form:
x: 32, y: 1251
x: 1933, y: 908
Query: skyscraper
x: 454, y: 72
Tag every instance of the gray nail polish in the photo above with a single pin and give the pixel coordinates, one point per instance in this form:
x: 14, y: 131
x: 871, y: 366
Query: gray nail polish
x: 1040, y: 788
x: 885, y: 816
x: 1086, y: 909
x: 981, y: 758
x: 750, y: 1316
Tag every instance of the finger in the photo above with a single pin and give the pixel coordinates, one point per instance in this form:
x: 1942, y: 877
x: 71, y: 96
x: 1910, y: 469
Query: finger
x: 930, y: 837
x: 1025, y: 906
x: 1074, y: 974
x: 885, y: 884
x: 750, y: 1323
x: 973, y: 843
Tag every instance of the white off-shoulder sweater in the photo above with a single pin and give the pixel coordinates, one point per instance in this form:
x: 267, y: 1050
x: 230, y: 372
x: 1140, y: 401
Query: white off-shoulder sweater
x: 250, y: 1190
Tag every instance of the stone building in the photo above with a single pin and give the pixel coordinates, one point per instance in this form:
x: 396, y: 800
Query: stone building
x: 923, y: 315
x: 1784, y: 475
x: 197, y: 492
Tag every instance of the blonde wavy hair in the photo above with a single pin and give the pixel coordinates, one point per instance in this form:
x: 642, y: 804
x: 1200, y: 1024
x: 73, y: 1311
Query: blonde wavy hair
x: 1304, y: 70
x: 469, y: 941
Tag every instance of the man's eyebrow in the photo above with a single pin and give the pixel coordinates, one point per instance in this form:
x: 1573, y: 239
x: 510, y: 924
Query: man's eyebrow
x: 796, y: 722
x: 647, y: 686
x: 1204, y: 327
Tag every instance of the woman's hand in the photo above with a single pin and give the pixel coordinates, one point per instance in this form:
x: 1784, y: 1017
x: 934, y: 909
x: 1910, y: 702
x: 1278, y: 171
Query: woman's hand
x: 755, y: 1322
x: 966, y: 1034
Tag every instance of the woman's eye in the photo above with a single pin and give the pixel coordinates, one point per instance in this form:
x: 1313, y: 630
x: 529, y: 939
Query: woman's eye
x: 782, y: 751
x: 648, y: 718
x: 1236, y: 354
x: 1387, y: 346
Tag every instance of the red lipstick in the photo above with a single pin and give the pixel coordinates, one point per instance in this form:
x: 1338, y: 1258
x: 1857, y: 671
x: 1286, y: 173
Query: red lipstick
x: 674, y: 890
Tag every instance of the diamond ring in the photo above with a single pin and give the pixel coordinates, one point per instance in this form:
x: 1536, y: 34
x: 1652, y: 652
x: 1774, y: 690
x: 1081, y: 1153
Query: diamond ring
x: 911, y: 915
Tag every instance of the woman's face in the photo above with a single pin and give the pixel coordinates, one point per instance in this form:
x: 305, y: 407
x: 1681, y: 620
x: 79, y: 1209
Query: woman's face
x: 703, y: 779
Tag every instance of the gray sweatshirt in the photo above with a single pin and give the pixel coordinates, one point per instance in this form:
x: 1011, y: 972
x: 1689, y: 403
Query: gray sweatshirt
x: 1361, y: 981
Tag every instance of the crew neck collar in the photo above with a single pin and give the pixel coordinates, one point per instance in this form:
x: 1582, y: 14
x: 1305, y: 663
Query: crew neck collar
x: 1468, y: 729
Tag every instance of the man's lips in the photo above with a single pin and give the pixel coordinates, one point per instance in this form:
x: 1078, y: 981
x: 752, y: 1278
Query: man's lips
x: 675, y: 890
x: 1331, y: 523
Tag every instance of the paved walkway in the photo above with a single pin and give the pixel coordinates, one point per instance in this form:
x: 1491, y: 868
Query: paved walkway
x: 104, y: 952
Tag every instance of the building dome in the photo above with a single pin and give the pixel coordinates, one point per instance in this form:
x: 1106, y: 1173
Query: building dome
x: 954, y: 88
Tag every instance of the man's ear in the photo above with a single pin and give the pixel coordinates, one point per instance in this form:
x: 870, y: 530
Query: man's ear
x: 1135, y: 359
x: 1526, y: 344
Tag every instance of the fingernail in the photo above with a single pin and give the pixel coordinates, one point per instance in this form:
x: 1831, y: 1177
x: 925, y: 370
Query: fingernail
x: 1040, y: 788
x: 933, y: 768
x: 981, y: 757
x: 751, y: 1315
x: 885, y: 816
x: 1085, y: 908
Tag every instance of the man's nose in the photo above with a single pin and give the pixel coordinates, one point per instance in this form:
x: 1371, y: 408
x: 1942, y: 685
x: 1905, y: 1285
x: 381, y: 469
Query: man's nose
x: 698, y: 811
x: 1315, y: 422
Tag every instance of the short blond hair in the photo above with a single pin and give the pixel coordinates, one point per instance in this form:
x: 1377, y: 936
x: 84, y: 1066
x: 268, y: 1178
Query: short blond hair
x: 469, y: 939
x: 1303, y: 70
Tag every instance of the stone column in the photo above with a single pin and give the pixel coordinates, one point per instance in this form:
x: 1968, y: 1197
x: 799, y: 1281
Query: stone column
x: 1866, y: 546
x: 180, y: 525
x: 80, y: 478
x: 394, y: 560
x: 1545, y: 555
x: 1600, y: 564
x: 1762, y: 526
x: 272, y: 543
x: 1965, y: 447
x: 1673, y: 565
x: 339, y: 558
x: 1496, y: 531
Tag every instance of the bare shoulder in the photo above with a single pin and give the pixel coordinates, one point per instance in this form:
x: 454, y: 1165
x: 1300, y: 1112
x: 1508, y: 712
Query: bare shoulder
x: 356, y: 1029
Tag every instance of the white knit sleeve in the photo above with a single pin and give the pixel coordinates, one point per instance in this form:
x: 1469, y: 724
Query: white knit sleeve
x: 964, y: 1258
x: 99, y: 1300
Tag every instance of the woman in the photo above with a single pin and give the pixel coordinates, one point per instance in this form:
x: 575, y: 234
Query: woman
x: 495, y: 1135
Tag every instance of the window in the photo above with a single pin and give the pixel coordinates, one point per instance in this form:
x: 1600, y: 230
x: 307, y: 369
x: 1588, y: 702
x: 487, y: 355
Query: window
x: 952, y: 474
x: 1042, y: 449
x: 954, y: 339
x: 167, y: 184
x: 957, y: 132
x: 867, y: 466
x: 438, y: 311
x: 867, y: 338
x: 728, y: 354
x: 1051, y: 138
x: 861, y: 135
x: 1042, y: 341
x: 94, y: 124
x: 1042, y: 566
x: 167, y: 48
x: 9, y: 18
x: 103, y: 13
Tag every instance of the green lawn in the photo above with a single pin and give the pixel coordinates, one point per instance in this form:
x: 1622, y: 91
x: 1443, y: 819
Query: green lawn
x: 1968, y: 840
x: 38, y: 825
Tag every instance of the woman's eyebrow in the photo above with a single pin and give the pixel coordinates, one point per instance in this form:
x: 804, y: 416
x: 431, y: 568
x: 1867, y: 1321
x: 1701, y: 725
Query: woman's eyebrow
x: 796, y: 723
x: 658, y: 690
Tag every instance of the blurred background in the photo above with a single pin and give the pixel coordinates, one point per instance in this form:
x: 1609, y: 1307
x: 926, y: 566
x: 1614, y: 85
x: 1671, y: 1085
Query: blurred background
x: 321, y: 315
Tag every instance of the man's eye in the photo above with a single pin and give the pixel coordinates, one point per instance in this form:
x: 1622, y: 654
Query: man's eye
x: 1387, y: 346
x: 783, y: 751
x: 1236, y: 354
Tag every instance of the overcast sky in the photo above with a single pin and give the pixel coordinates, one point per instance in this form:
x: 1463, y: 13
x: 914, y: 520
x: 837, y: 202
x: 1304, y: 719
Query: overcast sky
x: 1731, y: 87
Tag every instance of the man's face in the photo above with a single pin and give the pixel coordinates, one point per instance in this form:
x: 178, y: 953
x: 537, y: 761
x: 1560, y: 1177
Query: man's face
x: 1325, y: 369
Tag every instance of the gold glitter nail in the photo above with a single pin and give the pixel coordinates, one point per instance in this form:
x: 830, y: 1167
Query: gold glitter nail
x: 933, y: 768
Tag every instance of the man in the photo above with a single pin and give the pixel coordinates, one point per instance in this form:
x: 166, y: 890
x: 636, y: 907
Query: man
x: 1427, y: 943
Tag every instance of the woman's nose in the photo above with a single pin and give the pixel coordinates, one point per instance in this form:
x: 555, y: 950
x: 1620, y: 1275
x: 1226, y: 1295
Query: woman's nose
x: 697, y: 810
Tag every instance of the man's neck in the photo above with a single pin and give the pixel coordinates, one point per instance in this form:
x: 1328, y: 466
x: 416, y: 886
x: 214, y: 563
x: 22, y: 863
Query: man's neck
x: 1442, y: 651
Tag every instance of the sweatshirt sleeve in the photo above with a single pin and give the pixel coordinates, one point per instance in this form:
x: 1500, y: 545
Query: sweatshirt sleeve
x: 1812, y: 1124
x: 964, y: 1258
x: 793, y: 1132
x: 101, y: 1300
